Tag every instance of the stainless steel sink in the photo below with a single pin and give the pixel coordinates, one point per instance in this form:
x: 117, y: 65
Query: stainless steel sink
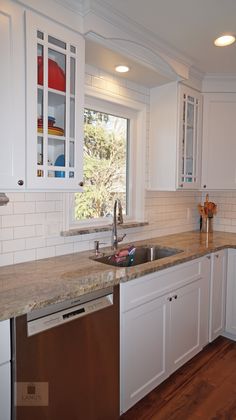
x: 141, y: 255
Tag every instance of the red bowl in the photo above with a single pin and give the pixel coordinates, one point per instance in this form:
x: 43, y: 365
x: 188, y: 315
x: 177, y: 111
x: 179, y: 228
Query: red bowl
x: 56, y: 76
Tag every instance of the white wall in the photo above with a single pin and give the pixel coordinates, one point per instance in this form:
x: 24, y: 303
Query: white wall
x: 31, y: 223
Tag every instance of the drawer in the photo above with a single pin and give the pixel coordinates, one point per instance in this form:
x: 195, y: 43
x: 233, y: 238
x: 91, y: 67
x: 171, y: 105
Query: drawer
x: 5, y: 353
x: 149, y: 287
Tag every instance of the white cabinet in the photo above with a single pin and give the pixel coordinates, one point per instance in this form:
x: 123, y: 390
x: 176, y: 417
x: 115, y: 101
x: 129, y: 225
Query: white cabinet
x: 217, y: 294
x: 175, y: 137
x: 144, y: 350
x: 5, y: 371
x: 219, y: 146
x: 231, y: 293
x: 188, y: 322
x: 164, y: 323
x: 55, y: 85
x: 12, y: 97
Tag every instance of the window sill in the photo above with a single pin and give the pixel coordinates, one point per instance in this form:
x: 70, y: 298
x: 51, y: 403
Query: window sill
x: 103, y: 228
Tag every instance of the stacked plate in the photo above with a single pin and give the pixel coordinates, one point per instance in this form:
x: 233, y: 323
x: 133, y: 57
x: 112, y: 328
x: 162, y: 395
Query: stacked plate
x: 53, y: 130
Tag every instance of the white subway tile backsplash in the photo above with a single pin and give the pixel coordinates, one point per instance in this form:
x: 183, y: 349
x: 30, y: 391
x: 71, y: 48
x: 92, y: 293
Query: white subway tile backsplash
x: 35, y: 219
x: 13, y: 197
x: 13, y: 245
x: 24, y: 207
x: 24, y: 231
x: 64, y: 249
x: 38, y: 196
x: 35, y: 242
x: 46, y: 252
x: 8, y: 209
x: 13, y: 220
x: 44, y: 206
x: 6, y: 259
x: 6, y: 234
x: 23, y: 256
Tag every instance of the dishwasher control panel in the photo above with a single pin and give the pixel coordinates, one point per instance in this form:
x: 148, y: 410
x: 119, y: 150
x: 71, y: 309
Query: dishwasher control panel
x: 35, y: 326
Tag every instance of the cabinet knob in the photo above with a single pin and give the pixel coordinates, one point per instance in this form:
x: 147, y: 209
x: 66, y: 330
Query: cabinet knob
x: 217, y: 255
x: 175, y: 296
x: 208, y: 257
x: 204, y: 186
x: 20, y: 182
x: 81, y: 184
x: 169, y: 299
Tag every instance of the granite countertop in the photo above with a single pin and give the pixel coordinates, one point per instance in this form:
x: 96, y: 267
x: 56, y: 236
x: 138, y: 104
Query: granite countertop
x: 33, y: 285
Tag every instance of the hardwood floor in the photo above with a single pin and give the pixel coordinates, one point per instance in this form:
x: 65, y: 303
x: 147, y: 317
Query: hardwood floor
x: 205, y: 388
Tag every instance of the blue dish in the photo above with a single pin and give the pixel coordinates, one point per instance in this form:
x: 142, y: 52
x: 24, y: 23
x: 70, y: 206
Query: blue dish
x: 60, y: 161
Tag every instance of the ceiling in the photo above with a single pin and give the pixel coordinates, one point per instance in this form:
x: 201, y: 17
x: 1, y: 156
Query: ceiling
x: 187, y: 26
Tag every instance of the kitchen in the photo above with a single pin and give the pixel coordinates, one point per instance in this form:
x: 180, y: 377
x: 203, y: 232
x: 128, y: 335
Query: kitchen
x: 37, y: 212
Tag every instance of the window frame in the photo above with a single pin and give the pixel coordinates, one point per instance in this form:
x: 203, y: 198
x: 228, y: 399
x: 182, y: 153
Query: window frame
x: 136, y: 113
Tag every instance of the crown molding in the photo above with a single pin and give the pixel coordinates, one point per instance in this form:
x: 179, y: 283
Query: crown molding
x: 133, y: 30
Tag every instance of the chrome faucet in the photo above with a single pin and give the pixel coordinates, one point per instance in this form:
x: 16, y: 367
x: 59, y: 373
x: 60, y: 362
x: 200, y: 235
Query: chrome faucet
x: 115, y: 239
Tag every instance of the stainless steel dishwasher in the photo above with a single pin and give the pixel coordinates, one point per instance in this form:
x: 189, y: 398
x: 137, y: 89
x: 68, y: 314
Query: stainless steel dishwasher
x: 66, y: 360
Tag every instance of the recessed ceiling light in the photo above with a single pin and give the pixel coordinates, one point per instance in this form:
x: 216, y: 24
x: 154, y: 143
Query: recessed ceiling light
x: 122, y: 69
x: 224, y: 40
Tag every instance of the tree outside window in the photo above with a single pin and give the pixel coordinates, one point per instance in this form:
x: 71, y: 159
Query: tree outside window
x: 105, y: 165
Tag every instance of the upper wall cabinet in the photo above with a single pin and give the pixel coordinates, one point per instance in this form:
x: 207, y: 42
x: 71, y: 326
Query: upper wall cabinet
x: 55, y: 84
x: 175, y: 138
x: 12, y: 97
x: 219, y: 145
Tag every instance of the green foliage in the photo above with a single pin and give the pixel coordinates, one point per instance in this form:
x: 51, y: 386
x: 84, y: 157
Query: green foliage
x: 104, y: 165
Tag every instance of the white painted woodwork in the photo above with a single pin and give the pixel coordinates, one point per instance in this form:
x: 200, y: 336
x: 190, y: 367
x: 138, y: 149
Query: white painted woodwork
x: 159, y: 283
x: 166, y: 138
x: 219, y: 146
x: 217, y: 294
x: 162, y: 327
x: 231, y: 293
x: 185, y: 323
x: 5, y: 391
x: 5, y: 354
x: 12, y: 97
x: 34, y: 23
x: 143, y: 344
x: 5, y: 371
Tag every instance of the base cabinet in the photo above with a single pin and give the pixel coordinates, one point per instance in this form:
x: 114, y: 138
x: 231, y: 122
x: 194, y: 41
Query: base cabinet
x: 231, y: 293
x: 217, y: 294
x: 144, y: 349
x: 160, y: 335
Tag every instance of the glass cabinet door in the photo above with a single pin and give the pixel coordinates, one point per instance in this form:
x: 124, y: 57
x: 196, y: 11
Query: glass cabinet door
x: 189, y: 138
x: 59, y: 63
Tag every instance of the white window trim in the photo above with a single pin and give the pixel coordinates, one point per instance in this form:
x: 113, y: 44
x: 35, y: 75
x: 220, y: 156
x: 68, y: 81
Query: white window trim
x: 94, y: 95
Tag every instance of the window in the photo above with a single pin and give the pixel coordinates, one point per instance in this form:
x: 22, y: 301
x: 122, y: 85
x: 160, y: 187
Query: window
x: 106, y: 165
x: 112, y: 116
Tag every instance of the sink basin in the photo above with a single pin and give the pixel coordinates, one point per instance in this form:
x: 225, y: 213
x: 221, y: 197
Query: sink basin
x: 142, y: 255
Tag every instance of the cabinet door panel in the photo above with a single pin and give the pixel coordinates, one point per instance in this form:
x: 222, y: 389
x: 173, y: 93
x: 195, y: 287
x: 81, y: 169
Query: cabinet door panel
x: 5, y: 354
x: 219, y: 147
x: 5, y: 391
x: 218, y: 286
x: 143, y: 349
x: 231, y: 293
x: 12, y: 106
x: 55, y: 84
x: 185, y: 324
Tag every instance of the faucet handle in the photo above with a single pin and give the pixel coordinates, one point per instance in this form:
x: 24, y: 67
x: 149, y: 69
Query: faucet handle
x: 96, y: 246
x: 120, y: 238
